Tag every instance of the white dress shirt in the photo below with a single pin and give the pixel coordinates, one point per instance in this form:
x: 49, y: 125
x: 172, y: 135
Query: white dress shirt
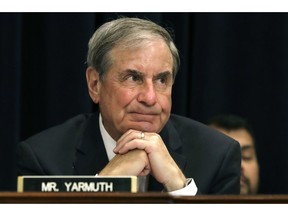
x: 110, y: 144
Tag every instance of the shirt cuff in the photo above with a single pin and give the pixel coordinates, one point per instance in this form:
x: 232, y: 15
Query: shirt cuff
x: 189, y: 190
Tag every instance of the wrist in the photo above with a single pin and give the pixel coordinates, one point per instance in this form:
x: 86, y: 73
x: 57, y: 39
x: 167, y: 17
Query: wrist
x: 175, y: 184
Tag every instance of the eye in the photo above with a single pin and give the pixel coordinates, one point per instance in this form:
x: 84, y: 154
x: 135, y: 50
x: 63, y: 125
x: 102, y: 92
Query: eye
x: 134, y: 77
x: 131, y: 77
x: 248, y: 155
x: 164, y: 79
x: 247, y: 158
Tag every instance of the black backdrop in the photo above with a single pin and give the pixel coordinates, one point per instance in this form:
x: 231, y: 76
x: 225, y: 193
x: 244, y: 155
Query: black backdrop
x: 231, y: 63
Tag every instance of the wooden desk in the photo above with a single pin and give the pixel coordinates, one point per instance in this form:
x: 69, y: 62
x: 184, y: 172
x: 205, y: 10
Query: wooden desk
x: 149, y: 198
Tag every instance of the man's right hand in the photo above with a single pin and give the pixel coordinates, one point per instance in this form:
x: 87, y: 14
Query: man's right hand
x: 132, y: 163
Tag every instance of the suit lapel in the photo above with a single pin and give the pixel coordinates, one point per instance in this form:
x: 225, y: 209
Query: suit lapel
x: 174, y: 144
x: 91, y: 154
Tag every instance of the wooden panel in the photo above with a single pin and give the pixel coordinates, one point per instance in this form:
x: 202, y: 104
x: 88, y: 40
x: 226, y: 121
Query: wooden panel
x: 123, y: 197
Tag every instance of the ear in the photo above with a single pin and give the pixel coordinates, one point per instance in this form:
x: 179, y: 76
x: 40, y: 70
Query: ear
x: 93, y: 83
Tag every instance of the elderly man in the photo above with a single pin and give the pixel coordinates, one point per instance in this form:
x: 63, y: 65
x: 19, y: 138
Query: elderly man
x: 132, y: 65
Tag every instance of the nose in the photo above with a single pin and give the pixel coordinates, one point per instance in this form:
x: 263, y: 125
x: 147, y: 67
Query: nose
x: 147, y: 94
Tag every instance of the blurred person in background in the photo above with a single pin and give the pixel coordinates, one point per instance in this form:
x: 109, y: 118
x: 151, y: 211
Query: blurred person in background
x: 239, y: 129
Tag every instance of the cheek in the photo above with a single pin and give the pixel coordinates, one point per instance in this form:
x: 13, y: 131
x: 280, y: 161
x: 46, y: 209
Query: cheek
x: 250, y: 168
x: 165, y: 102
x: 113, y: 94
x: 125, y: 97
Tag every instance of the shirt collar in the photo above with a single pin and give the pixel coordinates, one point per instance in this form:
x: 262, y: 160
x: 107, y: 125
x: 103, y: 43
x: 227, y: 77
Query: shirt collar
x: 109, y: 142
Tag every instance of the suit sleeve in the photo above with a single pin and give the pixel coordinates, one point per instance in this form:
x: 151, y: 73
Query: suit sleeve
x: 27, y: 162
x: 227, y: 180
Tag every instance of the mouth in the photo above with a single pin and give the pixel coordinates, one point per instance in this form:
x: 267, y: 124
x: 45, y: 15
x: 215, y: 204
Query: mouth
x: 143, y: 117
x: 244, y: 181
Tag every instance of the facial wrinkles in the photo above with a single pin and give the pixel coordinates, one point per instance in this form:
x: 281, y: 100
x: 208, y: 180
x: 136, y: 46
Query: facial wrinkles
x: 143, y: 62
x: 122, y: 93
x: 147, y: 102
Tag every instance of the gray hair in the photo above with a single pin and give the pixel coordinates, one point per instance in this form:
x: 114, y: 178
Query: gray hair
x: 127, y: 32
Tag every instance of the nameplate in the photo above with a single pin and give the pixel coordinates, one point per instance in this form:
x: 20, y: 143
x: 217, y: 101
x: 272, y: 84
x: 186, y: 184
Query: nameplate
x: 77, y: 184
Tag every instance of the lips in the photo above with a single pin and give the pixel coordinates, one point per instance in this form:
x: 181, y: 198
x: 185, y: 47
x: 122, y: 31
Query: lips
x: 244, y: 180
x: 147, y: 117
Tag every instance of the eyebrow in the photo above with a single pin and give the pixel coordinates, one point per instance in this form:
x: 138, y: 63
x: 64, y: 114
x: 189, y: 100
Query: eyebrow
x: 132, y: 71
x: 164, y: 73
x: 247, y: 147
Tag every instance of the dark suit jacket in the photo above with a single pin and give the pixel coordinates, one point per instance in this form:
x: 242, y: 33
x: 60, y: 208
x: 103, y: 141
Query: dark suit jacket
x: 76, y: 148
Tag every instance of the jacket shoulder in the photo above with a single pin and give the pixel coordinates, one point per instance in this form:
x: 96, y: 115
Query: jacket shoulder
x: 68, y: 130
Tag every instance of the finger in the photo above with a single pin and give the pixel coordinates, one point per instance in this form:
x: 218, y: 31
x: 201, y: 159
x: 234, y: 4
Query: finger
x: 128, y: 146
x: 134, y: 162
x: 127, y: 133
x: 128, y: 137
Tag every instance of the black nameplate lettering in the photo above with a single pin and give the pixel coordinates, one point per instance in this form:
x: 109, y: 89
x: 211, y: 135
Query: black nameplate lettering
x: 77, y: 184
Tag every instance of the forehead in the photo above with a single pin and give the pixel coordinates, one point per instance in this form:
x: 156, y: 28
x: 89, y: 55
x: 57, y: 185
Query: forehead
x: 136, y: 45
x: 147, y: 53
x: 138, y: 40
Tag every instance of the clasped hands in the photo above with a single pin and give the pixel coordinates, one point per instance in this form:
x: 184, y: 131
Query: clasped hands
x: 140, y: 154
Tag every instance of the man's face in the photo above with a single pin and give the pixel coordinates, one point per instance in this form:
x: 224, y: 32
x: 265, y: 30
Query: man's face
x: 249, y: 164
x: 136, y: 91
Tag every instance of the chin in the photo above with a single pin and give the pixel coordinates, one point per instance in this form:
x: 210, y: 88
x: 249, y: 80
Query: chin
x: 244, y: 190
x: 144, y: 126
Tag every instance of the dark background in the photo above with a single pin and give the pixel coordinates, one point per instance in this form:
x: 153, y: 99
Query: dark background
x: 230, y: 63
